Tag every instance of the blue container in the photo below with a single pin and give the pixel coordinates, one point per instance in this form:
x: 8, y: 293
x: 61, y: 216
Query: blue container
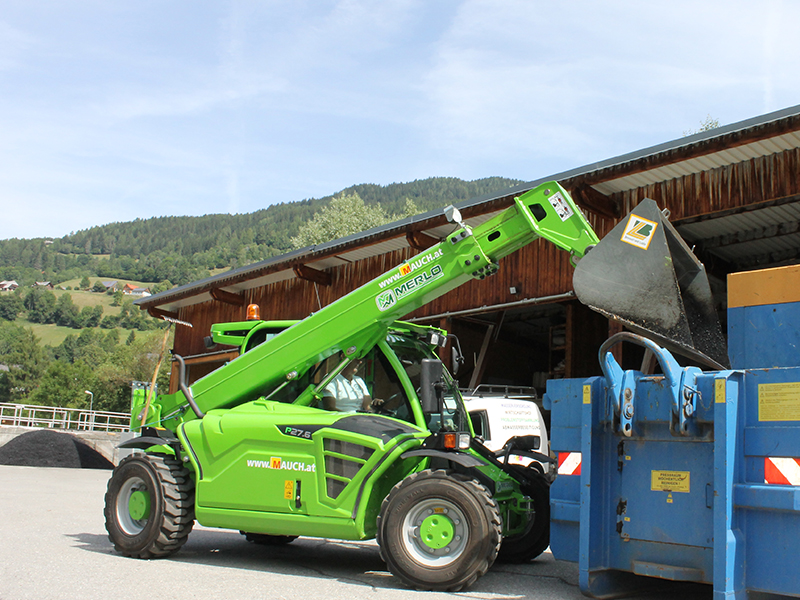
x: 673, y: 478
x: 764, y: 318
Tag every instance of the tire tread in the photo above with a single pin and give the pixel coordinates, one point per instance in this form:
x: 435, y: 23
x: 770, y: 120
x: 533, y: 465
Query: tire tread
x: 489, y: 506
x: 177, y: 495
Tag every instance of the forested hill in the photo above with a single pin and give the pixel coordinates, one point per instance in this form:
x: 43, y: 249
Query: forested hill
x: 176, y: 250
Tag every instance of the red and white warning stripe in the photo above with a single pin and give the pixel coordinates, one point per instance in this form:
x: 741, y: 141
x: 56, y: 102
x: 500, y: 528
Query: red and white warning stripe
x: 569, y: 463
x: 782, y: 471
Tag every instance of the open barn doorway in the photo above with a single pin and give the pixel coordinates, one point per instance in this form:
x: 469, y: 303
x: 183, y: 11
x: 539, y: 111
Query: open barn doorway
x: 526, y: 346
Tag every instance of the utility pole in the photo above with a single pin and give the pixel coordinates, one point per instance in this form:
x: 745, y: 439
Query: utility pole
x: 91, y: 407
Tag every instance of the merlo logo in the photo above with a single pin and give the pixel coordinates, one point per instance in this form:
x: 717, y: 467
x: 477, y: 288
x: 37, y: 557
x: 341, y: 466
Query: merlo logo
x: 385, y: 300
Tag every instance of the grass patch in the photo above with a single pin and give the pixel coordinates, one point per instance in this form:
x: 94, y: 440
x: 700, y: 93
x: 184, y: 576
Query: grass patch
x: 54, y: 335
x: 81, y: 298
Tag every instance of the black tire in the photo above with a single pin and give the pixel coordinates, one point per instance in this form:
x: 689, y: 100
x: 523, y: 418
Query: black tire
x: 149, y: 507
x: 438, y: 530
x: 264, y: 539
x: 535, y: 539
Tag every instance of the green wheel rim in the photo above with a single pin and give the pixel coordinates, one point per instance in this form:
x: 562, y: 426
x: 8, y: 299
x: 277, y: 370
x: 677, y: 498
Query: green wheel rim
x: 139, y: 505
x: 435, y: 532
x: 133, y: 506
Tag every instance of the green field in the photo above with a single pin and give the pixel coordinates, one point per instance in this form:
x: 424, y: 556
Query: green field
x: 53, y: 335
x: 81, y: 299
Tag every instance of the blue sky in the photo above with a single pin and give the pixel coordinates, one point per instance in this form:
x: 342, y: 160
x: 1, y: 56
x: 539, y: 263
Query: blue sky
x: 112, y: 111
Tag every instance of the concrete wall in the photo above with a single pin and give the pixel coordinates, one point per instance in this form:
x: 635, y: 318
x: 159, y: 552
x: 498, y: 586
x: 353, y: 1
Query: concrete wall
x: 103, y: 442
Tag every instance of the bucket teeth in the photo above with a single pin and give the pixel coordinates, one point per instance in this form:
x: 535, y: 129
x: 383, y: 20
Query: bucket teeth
x: 644, y: 275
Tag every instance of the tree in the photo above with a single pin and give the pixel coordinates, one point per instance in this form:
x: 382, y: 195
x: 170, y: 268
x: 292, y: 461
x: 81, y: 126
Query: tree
x: 98, y: 287
x: 10, y: 306
x: 162, y: 286
x: 110, y: 341
x: 109, y: 322
x: 706, y: 124
x: 91, y: 315
x: 40, y: 305
x: 85, y: 283
x: 88, y: 347
x: 63, y: 384
x: 26, y: 361
x: 344, y: 215
x: 66, y: 314
x: 128, y: 363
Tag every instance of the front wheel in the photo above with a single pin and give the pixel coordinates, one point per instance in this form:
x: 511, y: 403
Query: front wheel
x: 438, y: 530
x: 149, y: 507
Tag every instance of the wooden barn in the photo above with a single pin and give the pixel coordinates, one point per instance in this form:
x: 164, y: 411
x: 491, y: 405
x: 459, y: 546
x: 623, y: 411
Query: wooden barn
x: 732, y: 192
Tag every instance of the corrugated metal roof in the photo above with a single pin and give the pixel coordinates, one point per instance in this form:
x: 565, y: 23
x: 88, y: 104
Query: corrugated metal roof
x: 750, y: 238
x: 712, y: 149
x: 701, y: 163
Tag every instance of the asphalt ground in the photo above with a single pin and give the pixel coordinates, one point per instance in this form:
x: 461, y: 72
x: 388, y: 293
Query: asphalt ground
x: 53, y: 545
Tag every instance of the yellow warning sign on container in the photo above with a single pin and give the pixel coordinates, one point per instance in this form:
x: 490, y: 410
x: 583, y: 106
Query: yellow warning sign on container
x: 719, y: 391
x: 779, y: 401
x: 670, y: 481
x: 288, y: 489
x: 587, y: 394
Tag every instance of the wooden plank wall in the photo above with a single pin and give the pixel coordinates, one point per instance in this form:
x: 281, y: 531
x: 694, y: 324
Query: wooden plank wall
x: 733, y: 186
x: 189, y: 340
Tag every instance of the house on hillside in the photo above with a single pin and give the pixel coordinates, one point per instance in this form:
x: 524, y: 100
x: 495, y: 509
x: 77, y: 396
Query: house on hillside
x: 111, y: 286
x: 8, y: 286
x: 132, y: 290
x: 43, y: 284
x: 140, y: 292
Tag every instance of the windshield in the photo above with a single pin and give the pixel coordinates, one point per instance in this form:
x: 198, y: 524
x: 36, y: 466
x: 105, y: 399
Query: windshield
x: 410, y: 352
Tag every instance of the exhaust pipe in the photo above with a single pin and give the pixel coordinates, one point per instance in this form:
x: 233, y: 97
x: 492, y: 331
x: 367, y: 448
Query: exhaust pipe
x: 644, y: 275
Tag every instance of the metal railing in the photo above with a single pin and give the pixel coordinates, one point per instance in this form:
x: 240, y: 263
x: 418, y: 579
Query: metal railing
x: 26, y: 415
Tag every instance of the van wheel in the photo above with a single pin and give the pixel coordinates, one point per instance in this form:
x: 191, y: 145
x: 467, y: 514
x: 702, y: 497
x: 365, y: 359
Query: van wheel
x: 438, y: 530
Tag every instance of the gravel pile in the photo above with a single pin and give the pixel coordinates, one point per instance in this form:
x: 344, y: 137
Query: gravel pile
x: 48, y: 448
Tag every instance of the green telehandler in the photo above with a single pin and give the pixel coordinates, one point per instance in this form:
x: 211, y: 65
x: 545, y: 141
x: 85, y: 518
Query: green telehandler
x: 261, y: 445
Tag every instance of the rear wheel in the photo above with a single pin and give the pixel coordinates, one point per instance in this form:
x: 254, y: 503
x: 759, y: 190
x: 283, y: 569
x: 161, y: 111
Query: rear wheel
x: 438, y: 530
x: 149, y: 507
x: 535, y: 538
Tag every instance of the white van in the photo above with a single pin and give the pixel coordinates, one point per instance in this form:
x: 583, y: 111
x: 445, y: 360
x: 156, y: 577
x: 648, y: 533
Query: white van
x: 498, y: 413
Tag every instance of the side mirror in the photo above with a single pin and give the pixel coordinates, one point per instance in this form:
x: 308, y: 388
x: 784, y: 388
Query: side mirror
x: 456, y: 360
x: 430, y: 394
x: 456, y: 356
